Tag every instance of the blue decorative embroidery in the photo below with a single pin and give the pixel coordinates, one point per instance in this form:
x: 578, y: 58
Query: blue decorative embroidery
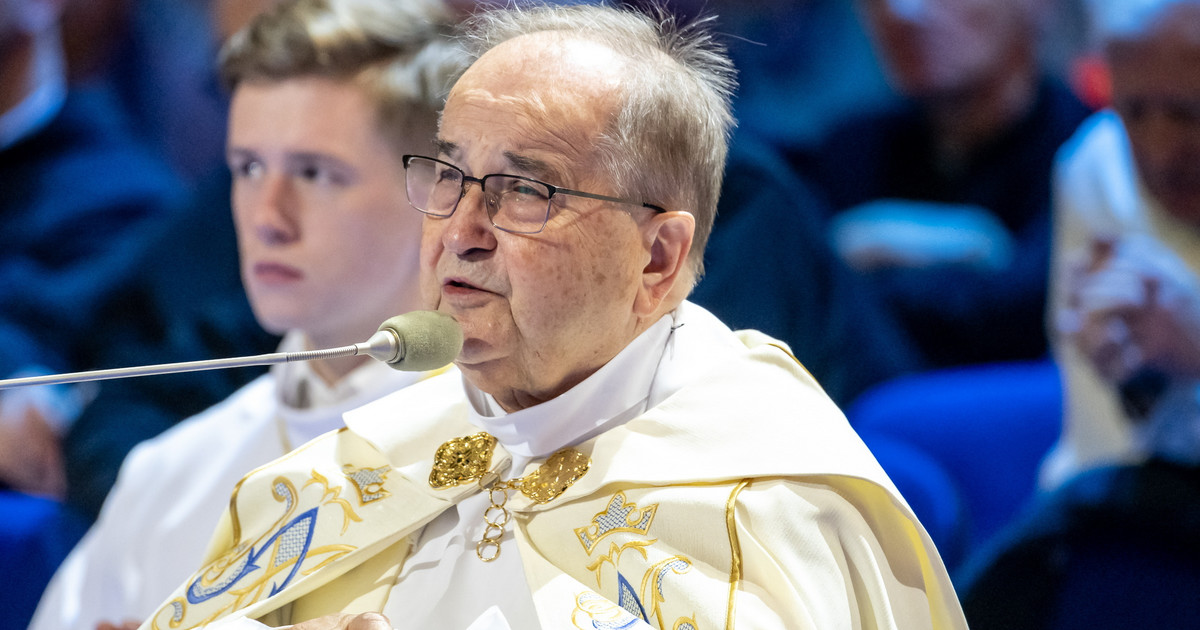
x: 627, y: 598
x: 618, y: 516
x: 294, y: 541
x: 677, y: 566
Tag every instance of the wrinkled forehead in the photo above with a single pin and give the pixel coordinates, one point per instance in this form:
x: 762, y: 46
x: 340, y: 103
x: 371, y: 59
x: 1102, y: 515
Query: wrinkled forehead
x: 582, y: 65
x: 563, y: 84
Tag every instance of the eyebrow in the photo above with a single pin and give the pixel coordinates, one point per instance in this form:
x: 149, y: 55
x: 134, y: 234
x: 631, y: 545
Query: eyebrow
x: 445, y: 147
x: 539, y: 169
x: 533, y: 167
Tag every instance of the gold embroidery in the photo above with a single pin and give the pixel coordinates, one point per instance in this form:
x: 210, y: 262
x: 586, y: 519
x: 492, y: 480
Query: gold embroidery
x: 462, y: 460
x: 235, y: 522
x: 593, y: 610
x: 553, y: 478
x: 619, y: 516
x: 543, y: 485
x: 368, y: 481
x: 735, y: 562
x: 333, y: 495
x: 254, y: 570
x: 614, y: 555
x: 675, y: 564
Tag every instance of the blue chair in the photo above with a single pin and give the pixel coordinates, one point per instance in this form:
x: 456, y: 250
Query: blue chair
x: 36, y: 534
x: 987, y: 426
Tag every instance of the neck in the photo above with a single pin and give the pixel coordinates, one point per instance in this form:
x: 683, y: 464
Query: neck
x: 965, y: 120
x: 332, y: 371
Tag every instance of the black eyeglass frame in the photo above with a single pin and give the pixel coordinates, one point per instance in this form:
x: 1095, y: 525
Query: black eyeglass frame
x: 553, y: 190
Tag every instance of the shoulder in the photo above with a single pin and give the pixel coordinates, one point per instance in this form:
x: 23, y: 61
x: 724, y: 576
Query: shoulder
x: 234, y: 419
x: 1095, y: 171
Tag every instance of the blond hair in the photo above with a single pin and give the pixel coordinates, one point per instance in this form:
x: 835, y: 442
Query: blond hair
x: 400, y: 51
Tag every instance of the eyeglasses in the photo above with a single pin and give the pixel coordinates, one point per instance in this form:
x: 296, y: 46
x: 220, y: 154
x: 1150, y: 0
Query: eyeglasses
x: 514, y: 204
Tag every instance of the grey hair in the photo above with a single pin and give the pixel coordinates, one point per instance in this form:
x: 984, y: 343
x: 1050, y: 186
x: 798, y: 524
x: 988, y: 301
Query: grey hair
x: 667, y: 142
x: 400, y: 51
x: 1128, y: 19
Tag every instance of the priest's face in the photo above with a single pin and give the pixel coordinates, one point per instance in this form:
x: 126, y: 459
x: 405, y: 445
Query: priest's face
x: 327, y: 239
x: 540, y: 312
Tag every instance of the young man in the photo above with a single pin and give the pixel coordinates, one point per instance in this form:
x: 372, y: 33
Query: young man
x: 327, y: 97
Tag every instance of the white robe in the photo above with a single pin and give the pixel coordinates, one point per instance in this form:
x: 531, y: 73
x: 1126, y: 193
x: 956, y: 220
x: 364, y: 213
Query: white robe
x: 1098, y: 195
x: 770, y: 513
x: 156, y: 521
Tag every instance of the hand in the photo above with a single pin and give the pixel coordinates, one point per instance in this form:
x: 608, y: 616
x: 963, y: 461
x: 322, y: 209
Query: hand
x: 364, y: 621
x: 1133, y: 305
x: 905, y: 233
x: 31, y: 457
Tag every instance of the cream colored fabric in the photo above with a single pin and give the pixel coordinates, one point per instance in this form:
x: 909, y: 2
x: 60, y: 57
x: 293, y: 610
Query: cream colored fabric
x: 753, y: 452
x: 304, y: 521
x: 160, y: 515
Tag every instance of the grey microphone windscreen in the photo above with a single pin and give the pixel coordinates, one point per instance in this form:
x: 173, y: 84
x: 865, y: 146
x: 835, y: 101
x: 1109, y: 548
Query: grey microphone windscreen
x: 428, y: 340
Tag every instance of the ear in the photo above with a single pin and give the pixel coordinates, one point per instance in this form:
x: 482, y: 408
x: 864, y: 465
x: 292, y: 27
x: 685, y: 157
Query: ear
x: 668, y: 239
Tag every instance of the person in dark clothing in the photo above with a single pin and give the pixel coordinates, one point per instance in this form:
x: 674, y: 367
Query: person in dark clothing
x: 943, y: 204
x: 769, y: 268
x: 79, y: 203
x: 1115, y: 547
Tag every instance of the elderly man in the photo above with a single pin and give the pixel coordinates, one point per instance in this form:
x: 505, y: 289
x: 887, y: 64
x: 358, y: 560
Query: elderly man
x: 611, y: 455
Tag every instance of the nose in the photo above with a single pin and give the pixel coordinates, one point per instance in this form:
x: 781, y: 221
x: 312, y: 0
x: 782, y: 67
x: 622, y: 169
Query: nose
x: 272, y: 210
x: 469, y: 230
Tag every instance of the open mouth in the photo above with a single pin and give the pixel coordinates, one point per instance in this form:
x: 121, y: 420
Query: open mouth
x: 458, y: 284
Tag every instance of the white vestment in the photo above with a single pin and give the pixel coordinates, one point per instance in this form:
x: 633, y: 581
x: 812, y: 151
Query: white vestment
x: 1099, y: 196
x: 156, y: 521
x: 723, y: 489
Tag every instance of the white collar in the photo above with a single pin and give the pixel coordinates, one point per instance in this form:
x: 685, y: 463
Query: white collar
x: 309, y: 406
x: 653, y: 366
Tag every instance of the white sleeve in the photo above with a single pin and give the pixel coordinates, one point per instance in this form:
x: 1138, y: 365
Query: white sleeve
x: 97, y: 579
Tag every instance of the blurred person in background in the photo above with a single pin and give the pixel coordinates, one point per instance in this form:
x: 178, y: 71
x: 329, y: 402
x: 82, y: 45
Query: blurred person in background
x: 79, y: 199
x: 165, y: 74
x: 327, y: 95
x: 1128, y: 245
x: 1113, y: 544
x: 943, y: 204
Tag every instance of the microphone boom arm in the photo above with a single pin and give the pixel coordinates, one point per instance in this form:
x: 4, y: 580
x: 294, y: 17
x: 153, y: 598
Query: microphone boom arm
x: 384, y: 345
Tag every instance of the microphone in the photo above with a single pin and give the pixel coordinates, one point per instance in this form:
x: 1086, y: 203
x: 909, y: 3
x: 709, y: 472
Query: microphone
x: 412, y: 342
